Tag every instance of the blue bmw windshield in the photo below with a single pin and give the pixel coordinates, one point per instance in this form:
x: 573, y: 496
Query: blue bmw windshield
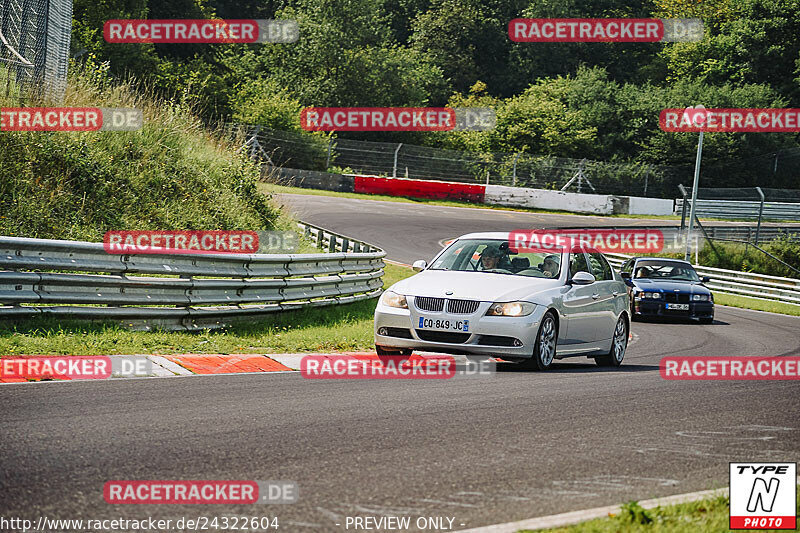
x: 666, y: 270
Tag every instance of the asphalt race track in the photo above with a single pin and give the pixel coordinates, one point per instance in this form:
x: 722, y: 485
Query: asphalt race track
x: 410, y: 231
x: 482, y: 450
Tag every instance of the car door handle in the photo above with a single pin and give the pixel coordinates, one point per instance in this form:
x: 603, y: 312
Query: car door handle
x: 595, y: 296
x: 615, y: 293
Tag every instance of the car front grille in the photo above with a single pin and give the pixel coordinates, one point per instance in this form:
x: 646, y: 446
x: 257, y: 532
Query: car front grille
x: 675, y: 298
x: 442, y: 336
x: 457, y: 307
x: 462, y: 307
x: 429, y: 304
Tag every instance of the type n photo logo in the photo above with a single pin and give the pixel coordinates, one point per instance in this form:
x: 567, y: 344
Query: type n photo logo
x: 763, y: 495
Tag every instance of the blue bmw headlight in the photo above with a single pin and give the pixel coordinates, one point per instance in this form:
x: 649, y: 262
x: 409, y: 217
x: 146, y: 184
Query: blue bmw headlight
x: 700, y: 297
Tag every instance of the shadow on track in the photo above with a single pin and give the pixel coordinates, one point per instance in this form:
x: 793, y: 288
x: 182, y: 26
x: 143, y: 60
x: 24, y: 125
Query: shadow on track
x: 579, y: 368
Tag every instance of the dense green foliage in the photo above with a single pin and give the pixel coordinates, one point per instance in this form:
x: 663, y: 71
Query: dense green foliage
x: 170, y: 175
x: 593, y: 100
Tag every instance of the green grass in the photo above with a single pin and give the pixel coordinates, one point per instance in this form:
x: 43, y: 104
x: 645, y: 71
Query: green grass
x: 326, y: 329
x: 704, y: 516
x: 754, y: 303
x: 173, y: 174
x: 272, y: 188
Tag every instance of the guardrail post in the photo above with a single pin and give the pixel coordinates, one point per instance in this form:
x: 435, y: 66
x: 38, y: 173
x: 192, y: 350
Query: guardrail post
x: 514, y: 171
x: 330, y: 147
x: 394, y: 168
x: 332, y: 246
x: 320, y: 238
x: 760, y: 213
x: 345, y: 244
x: 356, y: 247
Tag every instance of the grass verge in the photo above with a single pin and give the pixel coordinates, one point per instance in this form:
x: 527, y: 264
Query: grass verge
x: 744, y: 302
x: 703, y: 516
x: 326, y: 329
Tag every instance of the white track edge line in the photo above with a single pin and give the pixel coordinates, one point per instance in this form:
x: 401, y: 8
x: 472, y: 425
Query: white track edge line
x: 575, y: 517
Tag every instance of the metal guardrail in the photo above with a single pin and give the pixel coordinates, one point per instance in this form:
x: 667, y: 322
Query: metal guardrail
x: 80, y: 280
x: 749, y: 284
x: 743, y: 209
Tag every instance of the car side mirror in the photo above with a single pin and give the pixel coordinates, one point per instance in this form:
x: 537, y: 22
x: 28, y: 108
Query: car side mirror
x: 705, y: 279
x: 419, y: 265
x: 582, y: 278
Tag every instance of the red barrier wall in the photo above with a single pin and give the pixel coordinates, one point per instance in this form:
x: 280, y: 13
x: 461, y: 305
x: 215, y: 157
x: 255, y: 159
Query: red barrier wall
x: 439, y: 190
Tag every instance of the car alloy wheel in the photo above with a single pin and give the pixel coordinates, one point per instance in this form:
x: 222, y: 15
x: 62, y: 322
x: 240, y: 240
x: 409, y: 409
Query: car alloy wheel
x: 619, y: 343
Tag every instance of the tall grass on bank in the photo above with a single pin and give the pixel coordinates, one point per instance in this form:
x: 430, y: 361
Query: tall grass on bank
x: 172, y: 174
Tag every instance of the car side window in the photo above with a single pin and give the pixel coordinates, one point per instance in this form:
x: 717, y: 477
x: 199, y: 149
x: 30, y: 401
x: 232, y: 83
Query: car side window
x: 628, y: 266
x: 577, y: 263
x: 600, y: 267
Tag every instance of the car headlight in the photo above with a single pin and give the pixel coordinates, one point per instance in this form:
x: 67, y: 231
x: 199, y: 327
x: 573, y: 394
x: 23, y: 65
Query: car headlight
x: 700, y: 297
x: 656, y: 295
x: 511, y: 309
x: 392, y: 299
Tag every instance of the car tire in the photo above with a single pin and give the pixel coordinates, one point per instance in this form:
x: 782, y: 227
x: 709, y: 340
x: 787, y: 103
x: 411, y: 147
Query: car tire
x: 619, y: 343
x: 633, y: 310
x: 544, y: 350
x: 380, y: 350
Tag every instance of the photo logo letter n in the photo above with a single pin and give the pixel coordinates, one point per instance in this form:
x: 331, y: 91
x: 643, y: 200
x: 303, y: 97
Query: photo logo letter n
x: 763, y: 494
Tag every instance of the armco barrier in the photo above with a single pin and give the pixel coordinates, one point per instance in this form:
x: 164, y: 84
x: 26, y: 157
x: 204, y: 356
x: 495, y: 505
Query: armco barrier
x: 743, y: 209
x: 438, y: 190
x: 80, y: 280
x: 597, y: 204
x: 750, y: 284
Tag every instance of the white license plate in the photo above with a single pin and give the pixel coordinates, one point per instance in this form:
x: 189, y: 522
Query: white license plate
x: 443, y: 324
x: 678, y: 307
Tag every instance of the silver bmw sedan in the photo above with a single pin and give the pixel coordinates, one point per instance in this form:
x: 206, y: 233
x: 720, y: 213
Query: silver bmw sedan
x: 482, y: 296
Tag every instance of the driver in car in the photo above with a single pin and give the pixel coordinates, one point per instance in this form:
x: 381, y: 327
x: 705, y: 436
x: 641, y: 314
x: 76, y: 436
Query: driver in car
x: 550, y: 266
x: 491, y: 258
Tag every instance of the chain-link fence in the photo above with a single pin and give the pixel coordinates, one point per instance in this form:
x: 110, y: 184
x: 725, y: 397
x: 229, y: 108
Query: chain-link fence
x: 293, y: 150
x: 312, y: 152
x: 34, y: 48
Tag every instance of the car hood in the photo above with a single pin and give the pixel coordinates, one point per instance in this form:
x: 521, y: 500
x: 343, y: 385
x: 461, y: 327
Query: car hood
x: 473, y: 285
x: 691, y: 287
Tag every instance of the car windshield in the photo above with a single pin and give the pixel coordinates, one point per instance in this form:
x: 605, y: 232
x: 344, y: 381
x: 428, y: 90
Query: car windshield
x: 495, y: 256
x: 671, y: 270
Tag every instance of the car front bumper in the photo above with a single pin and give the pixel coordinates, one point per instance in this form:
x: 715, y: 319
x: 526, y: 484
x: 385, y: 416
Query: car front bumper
x: 647, y: 307
x: 487, y: 335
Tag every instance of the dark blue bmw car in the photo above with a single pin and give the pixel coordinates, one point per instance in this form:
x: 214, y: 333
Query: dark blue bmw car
x: 662, y: 287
